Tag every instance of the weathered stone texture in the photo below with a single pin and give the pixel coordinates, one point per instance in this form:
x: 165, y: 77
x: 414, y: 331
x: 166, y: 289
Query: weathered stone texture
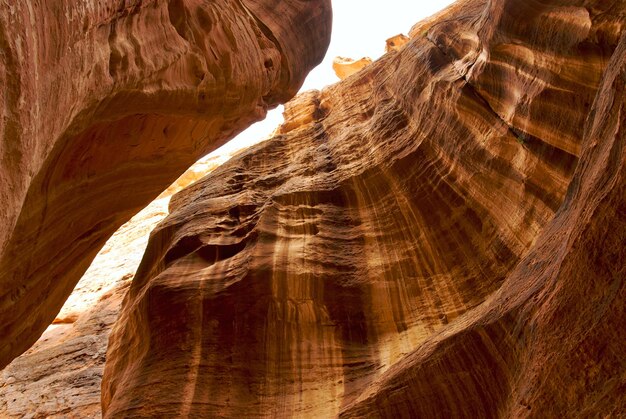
x: 105, y: 103
x: 439, y: 235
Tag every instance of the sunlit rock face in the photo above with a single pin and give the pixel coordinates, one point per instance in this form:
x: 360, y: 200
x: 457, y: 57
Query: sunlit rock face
x: 396, y: 42
x: 59, y: 376
x: 439, y: 235
x: 105, y: 103
x: 345, y: 67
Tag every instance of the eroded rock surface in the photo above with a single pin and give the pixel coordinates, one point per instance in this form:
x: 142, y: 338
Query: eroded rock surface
x: 439, y: 235
x: 60, y: 375
x: 396, y: 42
x: 345, y: 67
x: 105, y: 103
x: 549, y: 342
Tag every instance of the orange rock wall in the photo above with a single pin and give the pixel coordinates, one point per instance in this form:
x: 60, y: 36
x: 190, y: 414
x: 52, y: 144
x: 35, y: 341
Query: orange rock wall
x: 105, y: 103
x: 549, y: 342
x: 60, y: 375
x: 423, y: 239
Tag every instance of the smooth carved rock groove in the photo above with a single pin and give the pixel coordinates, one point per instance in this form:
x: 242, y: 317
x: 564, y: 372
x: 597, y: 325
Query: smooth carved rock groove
x: 105, y: 103
x: 440, y: 234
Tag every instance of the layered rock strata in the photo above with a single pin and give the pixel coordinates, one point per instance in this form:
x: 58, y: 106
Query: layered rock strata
x: 60, y: 375
x: 105, y: 103
x: 549, y: 342
x: 439, y: 235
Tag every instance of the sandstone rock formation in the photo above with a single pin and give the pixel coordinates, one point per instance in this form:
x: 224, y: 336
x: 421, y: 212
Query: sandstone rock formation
x: 345, y: 67
x: 549, y: 342
x: 60, y: 375
x: 105, y: 103
x: 440, y: 235
x: 396, y: 42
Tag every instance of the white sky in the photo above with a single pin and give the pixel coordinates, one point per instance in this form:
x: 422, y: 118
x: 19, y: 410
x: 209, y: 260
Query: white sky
x: 360, y: 28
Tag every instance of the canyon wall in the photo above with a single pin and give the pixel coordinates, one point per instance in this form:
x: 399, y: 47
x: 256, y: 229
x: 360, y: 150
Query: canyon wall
x: 105, y: 103
x: 440, y: 234
x: 549, y: 342
x: 60, y: 375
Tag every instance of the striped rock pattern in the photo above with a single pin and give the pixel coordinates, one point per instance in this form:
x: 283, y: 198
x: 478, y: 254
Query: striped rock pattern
x: 438, y: 235
x: 104, y: 104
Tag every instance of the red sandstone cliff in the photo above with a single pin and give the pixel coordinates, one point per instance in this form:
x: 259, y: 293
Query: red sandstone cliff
x: 439, y: 235
x: 105, y: 103
x: 60, y: 375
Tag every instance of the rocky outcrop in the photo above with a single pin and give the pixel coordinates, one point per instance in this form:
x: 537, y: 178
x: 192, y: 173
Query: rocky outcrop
x: 60, y: 375
x: 439, y: 235
x: 345, y: 67
x: 105, y: 103
x: 395, y: 43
